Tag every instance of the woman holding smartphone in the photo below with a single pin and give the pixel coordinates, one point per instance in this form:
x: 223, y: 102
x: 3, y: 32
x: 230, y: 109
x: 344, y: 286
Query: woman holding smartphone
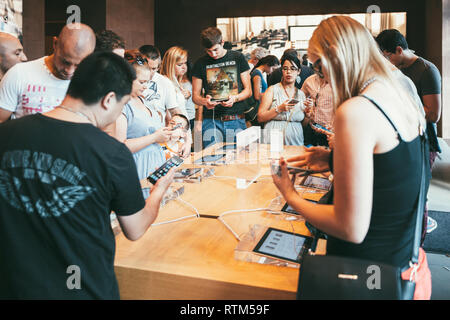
x: 377, y: 155
x: 282, y: 105
x: 136, y: 126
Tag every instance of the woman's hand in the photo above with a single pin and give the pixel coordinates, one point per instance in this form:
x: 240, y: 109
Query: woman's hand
x: 315, y: 159
x: 328, y: 133
x: 309, y: 108
x: 283, y: 181
x: 286, y: 106
x: 185, y: 151
x: 162, y: 135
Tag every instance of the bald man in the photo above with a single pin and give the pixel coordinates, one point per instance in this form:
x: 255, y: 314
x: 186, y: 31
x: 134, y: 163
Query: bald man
x: 11, y: 52
x: 39, y: 86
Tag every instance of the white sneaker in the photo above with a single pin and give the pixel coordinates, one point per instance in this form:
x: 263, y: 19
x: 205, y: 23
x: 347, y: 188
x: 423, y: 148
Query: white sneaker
x: 431, y: 225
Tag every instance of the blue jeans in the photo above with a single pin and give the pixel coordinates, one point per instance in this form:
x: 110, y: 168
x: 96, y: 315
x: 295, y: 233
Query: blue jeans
x: 222, y: 131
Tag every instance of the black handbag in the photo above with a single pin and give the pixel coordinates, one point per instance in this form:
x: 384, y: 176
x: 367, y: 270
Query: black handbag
x: 342, y: 278
x: 251, y: 114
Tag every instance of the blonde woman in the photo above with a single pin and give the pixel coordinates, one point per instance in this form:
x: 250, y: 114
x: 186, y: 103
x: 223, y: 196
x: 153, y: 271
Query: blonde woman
x: 377, y: 154
x: 174, y: 67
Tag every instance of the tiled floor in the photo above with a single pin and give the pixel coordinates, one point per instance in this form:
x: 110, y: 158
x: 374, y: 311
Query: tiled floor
x: 440, y: 273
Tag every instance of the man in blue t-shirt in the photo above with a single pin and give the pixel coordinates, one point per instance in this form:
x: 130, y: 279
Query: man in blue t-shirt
x: 224, y: 76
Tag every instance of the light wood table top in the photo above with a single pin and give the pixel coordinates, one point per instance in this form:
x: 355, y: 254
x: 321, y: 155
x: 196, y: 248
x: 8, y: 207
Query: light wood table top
x: 194, y: 259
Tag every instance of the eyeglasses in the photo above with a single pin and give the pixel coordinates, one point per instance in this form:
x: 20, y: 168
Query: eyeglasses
x: 286, y: 69
x: 317, y: 68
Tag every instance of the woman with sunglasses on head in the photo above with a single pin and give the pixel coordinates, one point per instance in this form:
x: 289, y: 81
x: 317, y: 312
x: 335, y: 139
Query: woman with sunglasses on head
x: 377, y: 160
x: 136, y: 126
x: 282, y: 105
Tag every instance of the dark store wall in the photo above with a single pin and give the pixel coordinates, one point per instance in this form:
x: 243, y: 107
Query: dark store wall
x: 133, y: 20
x: 179, y: 22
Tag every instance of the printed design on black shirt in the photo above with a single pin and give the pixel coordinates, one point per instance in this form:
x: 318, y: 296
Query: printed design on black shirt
x: 222, y: 80
x: 26, y: 177
x: 152, y: 92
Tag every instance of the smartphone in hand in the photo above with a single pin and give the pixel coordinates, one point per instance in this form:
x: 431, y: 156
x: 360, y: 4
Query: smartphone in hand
x: 164, y: 169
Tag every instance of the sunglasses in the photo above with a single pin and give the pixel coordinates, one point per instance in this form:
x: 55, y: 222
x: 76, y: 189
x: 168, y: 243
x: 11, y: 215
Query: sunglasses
x: 317, y: 68
x: 138, y: 60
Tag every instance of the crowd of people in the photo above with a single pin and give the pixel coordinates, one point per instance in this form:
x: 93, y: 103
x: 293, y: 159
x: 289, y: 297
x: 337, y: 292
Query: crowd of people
x: 83, y: 126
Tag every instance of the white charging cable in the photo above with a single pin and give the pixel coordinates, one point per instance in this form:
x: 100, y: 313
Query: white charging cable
x: 197, y: 215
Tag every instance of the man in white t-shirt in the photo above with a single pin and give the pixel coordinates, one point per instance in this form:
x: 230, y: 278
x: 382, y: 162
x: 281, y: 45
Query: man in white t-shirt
x: 161, y: 93
x: 39, y: 86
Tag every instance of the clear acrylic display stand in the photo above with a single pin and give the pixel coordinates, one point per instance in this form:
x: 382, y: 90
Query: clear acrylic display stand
x: 244, y: 250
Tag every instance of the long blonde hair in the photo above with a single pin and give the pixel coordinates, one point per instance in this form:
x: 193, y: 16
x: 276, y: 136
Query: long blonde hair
x: 173, y: 56
x: 351, y: 56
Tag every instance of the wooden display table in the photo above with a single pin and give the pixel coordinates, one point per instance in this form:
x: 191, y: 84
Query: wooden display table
x: 194, y: 259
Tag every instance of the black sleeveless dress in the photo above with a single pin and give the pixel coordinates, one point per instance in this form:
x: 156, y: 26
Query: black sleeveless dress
x: 397, y: 178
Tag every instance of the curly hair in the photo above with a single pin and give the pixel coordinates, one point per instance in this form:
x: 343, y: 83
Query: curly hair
x: 108, y: 40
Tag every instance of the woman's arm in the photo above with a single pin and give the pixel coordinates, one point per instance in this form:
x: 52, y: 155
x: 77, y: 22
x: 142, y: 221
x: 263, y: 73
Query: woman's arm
x: 136, y: 145
x: 256, y: 82
x: 264, y: 114
x: 349, y: 218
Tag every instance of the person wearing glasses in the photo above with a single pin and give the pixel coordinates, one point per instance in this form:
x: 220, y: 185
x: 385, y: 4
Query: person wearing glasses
x: 282, y: 106
x: 276, y: 75
x: 320, y: 108
x: 138, y: 127
x: 377, y: 158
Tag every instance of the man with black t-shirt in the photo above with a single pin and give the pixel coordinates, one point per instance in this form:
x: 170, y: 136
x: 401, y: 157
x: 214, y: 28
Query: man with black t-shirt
x: 60, y: 179
x: 428, y: 81
x: 224, y: 75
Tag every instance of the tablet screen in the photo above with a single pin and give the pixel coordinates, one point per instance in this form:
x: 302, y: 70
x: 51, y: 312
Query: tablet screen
x: 317, y: 183
x: 283, y: 245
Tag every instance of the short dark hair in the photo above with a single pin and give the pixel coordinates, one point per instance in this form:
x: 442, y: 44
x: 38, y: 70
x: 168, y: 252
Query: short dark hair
x: 99, y: 74
x: 269, y: 60
x: 108, y: 40
x: 210, y: 37
x: 150, y: 51
x: 390, y: 39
